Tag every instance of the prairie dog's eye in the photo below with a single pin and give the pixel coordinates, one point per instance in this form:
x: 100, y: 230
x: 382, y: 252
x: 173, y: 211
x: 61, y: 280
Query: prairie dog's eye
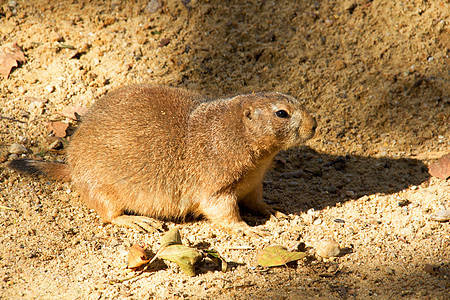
x: 282, y: 114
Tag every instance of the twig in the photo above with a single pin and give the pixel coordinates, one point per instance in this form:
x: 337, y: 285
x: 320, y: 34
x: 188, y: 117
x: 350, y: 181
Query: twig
x: 11, y: 119
x: 240, y: 248
x: 7, y: 208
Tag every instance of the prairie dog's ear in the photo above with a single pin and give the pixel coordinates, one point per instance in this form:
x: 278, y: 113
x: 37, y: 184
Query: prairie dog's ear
x: 248, y: 113
x: 251, y: 113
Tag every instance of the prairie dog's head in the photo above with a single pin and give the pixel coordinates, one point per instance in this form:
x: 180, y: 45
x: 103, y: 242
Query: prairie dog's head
x: 277, y: 120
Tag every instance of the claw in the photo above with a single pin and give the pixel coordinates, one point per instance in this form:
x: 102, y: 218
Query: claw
x: 255, y: 233
x: 278, y: 214
x: 139, y: 223
x: 243, y: 228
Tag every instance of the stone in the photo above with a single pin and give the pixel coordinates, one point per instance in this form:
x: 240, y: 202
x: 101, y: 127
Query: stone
x: 328, y: 248
x: 17, y: 149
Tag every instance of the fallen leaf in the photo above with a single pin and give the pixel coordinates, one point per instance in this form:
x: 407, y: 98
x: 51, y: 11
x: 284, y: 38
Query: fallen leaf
x: 137, y: 257
x: 74, y: 112
x: 172, y: 237
x: 441, y: 167
x: 185, y: 257
x: 217, y: 259
x: 10, y: 56
x: 277, y: 255
x: 173, y: 250
x: 58, y: 128
x: 66, y: 46
x: 73, y: 54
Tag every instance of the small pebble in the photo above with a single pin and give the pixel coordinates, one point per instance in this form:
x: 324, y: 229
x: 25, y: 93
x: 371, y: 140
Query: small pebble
x: 339, y: 221
x: 331, y: 189
x: 404, y: 202
x: 328, y: 248
x: 442, y: 215
x: 430, y: 269
x: 318, y: 222
x: 13, y: 156
x: 3, y: 157
x: 332, y: 268
x: 350, y: 194
x: 50, y: 88
x: 17, y: 149
x: 153, y: 6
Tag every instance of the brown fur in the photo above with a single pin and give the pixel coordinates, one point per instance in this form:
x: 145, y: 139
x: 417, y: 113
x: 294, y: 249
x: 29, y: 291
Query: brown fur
x: 165, y: 152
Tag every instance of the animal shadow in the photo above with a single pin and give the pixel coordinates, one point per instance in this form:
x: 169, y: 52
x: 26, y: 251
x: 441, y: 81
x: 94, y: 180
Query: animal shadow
x: 303, y: 178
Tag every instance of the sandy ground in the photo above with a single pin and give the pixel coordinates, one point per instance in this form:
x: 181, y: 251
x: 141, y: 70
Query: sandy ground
x: 375, y: 74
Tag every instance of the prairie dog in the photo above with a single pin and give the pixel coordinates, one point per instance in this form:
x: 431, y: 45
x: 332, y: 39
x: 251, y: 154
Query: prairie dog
x: 165, y: 152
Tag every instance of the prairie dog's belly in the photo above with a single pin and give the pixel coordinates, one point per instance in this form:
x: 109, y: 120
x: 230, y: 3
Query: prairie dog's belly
x: 157, y: 204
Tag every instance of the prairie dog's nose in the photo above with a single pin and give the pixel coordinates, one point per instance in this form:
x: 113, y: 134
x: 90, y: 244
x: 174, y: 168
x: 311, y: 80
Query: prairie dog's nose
x: 309, y: 124
x: 314, y: 126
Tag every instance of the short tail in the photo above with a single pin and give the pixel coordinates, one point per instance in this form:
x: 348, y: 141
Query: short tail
x: 53, y: 170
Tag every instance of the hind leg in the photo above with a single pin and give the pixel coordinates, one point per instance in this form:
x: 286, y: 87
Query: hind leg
x: 107, y: 204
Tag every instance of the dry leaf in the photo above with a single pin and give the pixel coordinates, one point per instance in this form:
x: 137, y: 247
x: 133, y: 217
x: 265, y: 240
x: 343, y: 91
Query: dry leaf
x: 185, y: 257
x: 74, y: 112
x: 137, y: 257
x: 217, y: 259
x: 73, y: 54
x: 276, y: 255
x: 172, y: 237
x: 10, y: 55
x: 441, y: 167
x: 58, y: 128
x: 173, y: 250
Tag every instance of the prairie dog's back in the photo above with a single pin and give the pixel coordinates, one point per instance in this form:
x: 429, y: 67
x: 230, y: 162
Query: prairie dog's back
x: 133, y: 131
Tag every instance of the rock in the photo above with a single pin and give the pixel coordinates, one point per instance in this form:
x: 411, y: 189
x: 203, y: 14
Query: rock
x: 403, y: 202
x: 430, y: 269
x: 331, y: 189
x: 3, y: 157
x: 153, y: 6
x: 294, y: 174
x: 350, y: 194
x: 339, y: 221
x: 17, y: 149
x: 328, y: 248
x: 442, y: 215
x: 50, y: 88
x: 13, y: 156
x: 318, y: 222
